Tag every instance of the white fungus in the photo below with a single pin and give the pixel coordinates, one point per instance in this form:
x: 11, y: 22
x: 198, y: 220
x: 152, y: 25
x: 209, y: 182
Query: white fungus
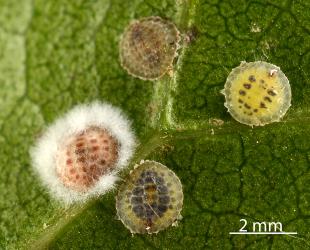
x: 57, y: 157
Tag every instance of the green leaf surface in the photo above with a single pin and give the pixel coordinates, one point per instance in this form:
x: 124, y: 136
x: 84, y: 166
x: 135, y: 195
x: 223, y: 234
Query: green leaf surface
x: 56, y: 54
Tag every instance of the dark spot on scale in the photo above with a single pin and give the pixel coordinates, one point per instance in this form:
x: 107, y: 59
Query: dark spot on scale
x: 164, y: 199
x: 139, y: 182
x: 255, y: 110
x: 162, y: 189
x: 240, y: 101
x: 94, y: 157
x: 149, y: 211
x: 262, y: 105
x: 136, y: 33
x: 138, y: 210
x: 162, y: 208
x: 247, y: 85
x: 242, y: 92
x: 271, y: 92
x: 240, y: 107
x: 273, y: 72
x: 82, y: 159
x: 154, y: 206
x: 252, y: 78
x: 159, y: 180
x: 143, y: 174
x: 262, y: 81
x: 138, y: 191
x: 250, y: 113
x: 149, y: 180
x: 267, y: 98
x: 247, y: 106
x: 136, y: 200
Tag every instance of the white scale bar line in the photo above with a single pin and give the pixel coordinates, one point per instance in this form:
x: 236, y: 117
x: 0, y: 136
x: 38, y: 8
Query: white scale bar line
x: 262, y: 232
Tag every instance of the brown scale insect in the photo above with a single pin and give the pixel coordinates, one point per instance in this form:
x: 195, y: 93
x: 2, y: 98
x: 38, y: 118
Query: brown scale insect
x: 148, y: 47
x: 83, y: 158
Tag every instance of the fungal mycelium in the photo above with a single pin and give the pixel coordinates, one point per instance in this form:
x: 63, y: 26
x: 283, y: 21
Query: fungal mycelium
x: 151, y: 198
x: 78, y: 157
x: 148, y: 47
x: 257, y: 93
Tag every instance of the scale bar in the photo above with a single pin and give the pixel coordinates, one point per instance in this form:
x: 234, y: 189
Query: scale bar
x: 285, y: 233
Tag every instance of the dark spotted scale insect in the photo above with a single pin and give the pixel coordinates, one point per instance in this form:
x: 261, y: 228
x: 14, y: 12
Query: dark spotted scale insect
x: 148, y: 47
x: 257, y: 93
x: 151, y: 198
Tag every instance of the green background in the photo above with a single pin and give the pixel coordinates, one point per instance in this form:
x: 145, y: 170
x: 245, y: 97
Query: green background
x: 56, y: 54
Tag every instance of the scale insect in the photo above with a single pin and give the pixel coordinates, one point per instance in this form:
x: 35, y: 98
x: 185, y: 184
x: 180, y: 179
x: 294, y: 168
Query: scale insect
x: 151, y: 198
x: 79, y: 156
x: 148, y: 47
x: 257, y: 93
x: 84, y: 157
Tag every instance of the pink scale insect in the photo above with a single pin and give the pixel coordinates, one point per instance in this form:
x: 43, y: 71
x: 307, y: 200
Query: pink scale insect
x: 80, y: 154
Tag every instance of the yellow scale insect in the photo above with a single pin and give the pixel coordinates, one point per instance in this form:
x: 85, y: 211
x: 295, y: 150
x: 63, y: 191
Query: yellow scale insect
x: 257, y: 93
x: 151, y: 199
